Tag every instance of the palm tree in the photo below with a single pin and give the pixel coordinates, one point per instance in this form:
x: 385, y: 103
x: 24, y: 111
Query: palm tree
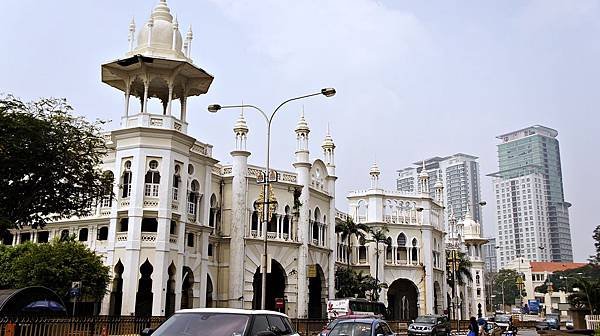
x: 463, y: 268
x: 378, y: 236
x: 349, y: 228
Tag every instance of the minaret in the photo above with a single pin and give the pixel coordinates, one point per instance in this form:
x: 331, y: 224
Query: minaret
x: 131, y: 37
x: 238, y: 200
x: 303, y: 166
x: 374, y: 172
x: 424, y: 180
x: 188, y: 42
x: 439, y: 189
x: 328, y: 153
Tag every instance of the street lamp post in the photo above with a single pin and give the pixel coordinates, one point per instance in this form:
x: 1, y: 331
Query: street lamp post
x: 327, y: 92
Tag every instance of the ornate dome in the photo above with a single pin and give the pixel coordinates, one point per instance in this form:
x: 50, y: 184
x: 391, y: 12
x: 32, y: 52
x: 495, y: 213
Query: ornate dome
x: 328, y: 142
x: 471, y: 229
x: 374, y: 171
x: 160, y: 36
x: 240, y: 125
x: 302, y: 125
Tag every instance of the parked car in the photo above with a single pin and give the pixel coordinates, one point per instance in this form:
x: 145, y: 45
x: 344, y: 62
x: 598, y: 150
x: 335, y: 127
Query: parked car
x: 334, y: 322
x: 224, y: 322
x: 429, y: 325
x: 553, y: 323
x: 362, y: 327
x: 542, y: 325
x: 569, y: 325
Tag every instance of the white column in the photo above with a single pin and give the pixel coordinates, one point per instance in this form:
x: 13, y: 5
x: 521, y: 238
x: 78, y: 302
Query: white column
x: 239, y: 218
x: 170, y: 101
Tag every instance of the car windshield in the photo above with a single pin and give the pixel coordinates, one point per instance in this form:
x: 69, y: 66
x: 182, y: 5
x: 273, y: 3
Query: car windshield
x: 203, y: 324
x: 502, y: 318
x: 425, y: 319
x: 351, y: 329
x: 332, y: 324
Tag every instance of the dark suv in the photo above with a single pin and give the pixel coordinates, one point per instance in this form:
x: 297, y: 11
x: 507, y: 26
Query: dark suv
x: 430, y: 325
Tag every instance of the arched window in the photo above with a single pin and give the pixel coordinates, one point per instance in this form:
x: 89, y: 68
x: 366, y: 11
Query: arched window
x: 388, y: 250
x: 286, y: 221
x: 83, y: 234
x: 361, y: 212
x: 362, y: 251
x: 176, y: 182
x: 126, y: 180
x: 401, y: 251
x: 193, y: 197
x: 64, y: 235
x: 477, y: 280
x: 103, y: 233
x: 107, y: 195
x: 152, y: 180
x: 254, y: 221
x: 414, y: 252
x: 213, y: 211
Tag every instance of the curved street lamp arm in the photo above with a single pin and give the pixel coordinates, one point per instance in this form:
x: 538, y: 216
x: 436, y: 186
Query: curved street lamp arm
x: 250, y: 106
x: 292, y: 99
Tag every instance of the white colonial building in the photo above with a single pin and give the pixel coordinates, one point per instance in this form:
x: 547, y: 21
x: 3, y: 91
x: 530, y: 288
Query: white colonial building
x: 411, y: 261
x: 183, y: 231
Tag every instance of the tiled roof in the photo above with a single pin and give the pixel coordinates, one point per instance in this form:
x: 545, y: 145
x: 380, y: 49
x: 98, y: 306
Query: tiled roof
x: 543, y: 266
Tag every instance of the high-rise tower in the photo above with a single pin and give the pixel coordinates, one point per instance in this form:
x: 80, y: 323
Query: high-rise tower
x: 531, y: 213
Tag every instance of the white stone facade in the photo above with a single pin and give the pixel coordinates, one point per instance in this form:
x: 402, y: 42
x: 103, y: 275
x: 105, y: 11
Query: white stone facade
x: 183, y: 231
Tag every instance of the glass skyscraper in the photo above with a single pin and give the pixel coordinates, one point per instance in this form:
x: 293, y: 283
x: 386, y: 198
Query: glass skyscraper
x: 532, y: 216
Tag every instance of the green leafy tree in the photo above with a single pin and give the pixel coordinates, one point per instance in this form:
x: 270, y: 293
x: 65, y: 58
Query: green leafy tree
x: 583, y: 283
x: 350, y: 283
x: 505, y: 285
x: 54, y: 265
x: 49, y: 162
x: 348, y: 229
x: 463, y: 269
x: 595, y: 259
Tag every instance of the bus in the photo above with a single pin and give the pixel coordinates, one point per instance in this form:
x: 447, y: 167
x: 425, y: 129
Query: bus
x: 351, y: 306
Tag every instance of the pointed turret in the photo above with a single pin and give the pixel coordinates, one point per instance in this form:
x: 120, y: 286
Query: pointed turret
x: 374, y: 172
x: 302, y: 131
x: 439, y: 189
x: 131, y: 37
x: 188, y: 42
x: 241, y: 131
x: 329, y: 152
x: 424, y: 180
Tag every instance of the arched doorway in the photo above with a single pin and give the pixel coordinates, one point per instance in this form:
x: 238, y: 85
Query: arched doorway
x: 403, y: 296
x: 317, y: 293
x: 170, y: 294
x: 187, y: 292
x: 438, y: 299
x: 275, y: 286
x: 209, y: 291
x: 143, y: 297
x: 116, y: 294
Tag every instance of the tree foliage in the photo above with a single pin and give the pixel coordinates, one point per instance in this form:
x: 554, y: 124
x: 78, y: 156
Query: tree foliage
x: 350, y: 283
x: 463, y: 269
x: 54, y: 265
x: 506, y: 282
x: 583, y: 283
x: 49, y: 162
x: 348, y: 229
x: 595, y: 259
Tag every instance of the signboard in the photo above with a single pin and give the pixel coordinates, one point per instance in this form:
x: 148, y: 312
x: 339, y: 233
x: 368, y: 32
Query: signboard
x: 311, y: 271
x: 279, y: 303
x: 534, y: 306
x: 565, y: 306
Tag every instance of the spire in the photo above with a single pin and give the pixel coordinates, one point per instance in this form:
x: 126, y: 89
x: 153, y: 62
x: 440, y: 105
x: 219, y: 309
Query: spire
x: 302, y: 126
x: 468, y: 214
x: 188, y: 42
x: 423, y: 171
x: 131, y: 36
x: 424, y: 180
x: 438, y: 183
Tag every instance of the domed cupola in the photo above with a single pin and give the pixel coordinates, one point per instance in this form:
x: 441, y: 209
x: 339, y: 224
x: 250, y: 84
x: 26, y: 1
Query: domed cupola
x: 471, y: 229
x: 160, y: 36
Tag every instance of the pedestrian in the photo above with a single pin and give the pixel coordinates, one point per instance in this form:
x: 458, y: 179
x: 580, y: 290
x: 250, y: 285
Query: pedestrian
x: 473, y: 327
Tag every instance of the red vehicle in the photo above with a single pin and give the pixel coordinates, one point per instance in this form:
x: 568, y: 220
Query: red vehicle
x: 334, y: 322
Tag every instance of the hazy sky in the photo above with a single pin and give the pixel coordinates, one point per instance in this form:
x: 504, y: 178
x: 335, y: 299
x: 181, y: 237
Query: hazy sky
x: 415, y: 79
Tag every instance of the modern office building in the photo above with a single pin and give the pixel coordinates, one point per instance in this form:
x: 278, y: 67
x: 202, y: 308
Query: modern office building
x: 489, y: 256
x: 532, y: 216
x: 459, y: 174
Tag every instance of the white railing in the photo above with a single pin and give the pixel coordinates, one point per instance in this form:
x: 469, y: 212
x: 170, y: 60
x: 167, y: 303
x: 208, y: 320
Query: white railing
x: 592, y: 322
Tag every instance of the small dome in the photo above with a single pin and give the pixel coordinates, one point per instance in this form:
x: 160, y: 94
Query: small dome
x: 328, y: 142
x: 240, y: 125
x: 423, y: 171
x: 439, y: 184
x: 302, y: 125
x: 374, y: 171
x: 163, y: 28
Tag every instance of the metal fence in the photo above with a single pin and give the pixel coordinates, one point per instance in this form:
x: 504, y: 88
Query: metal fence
x: 592, y: 322
x: 78, y: 326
